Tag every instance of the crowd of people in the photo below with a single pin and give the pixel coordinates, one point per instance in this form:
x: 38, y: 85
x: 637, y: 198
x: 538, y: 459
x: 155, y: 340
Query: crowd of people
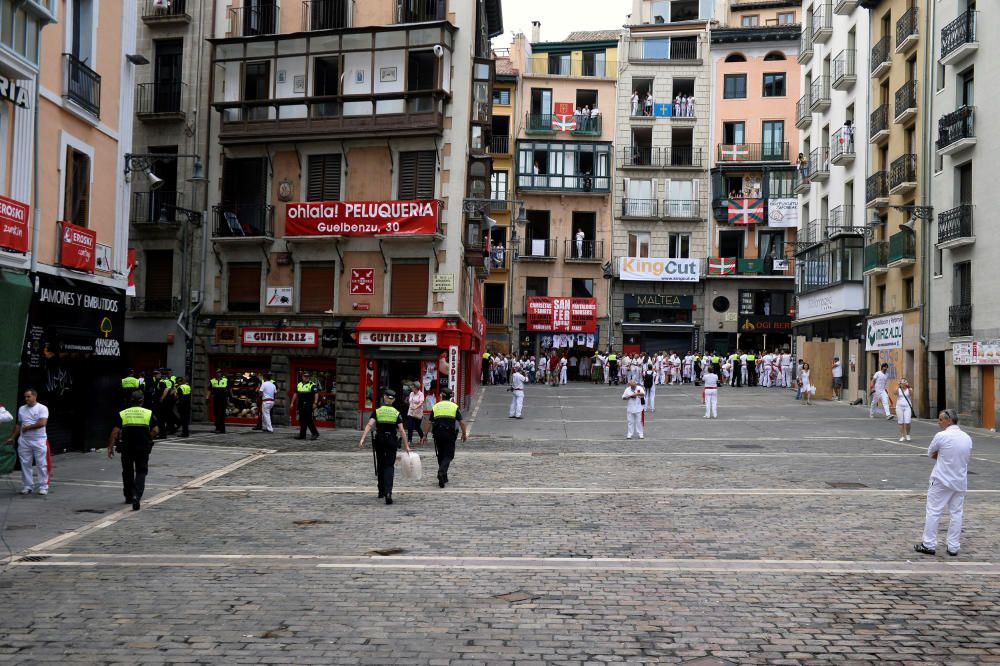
x: 643, y: 105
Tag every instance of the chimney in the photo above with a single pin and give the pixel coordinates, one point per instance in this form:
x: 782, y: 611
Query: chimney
x: 536, y: 32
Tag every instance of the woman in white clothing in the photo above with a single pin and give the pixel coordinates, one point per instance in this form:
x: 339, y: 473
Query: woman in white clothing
x: 807, y: 388
x: 711, y: 393
x: 904, y: 409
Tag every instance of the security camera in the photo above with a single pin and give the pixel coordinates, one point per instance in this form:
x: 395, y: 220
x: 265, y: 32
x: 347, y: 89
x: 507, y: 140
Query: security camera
x: 438, y: 50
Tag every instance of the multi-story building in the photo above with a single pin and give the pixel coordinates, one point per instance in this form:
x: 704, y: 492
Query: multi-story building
x: 168, y: 204
x: 832, y: 114
x: 897, y: 193
x: 563, y: 175
x: 66, y: 123
x: 964, y: 320
x: 661, y: 187
x: 752, y: 227
x: 347, y: 222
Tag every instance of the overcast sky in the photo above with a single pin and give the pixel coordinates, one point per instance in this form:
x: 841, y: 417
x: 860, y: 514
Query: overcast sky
x: 561, y: 18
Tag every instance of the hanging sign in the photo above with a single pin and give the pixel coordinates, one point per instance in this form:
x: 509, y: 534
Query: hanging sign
x: 78, y: 248
x: 13, y: 225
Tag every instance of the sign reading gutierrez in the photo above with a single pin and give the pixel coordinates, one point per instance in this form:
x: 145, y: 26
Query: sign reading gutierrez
x: 360, y: 218
x: 655, y: 269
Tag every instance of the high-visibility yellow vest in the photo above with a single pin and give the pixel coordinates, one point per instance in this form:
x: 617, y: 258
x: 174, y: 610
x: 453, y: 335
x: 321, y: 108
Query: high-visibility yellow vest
x: 219, y: 383
x: 136, y: 416
x: 185, y: 389
x: 387, y: 414
x: 130, y: 383
x: 612, y: 357
x: 445, y: 409
x: 305, y: 387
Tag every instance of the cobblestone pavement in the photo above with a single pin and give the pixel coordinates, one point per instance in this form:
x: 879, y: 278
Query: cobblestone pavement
x: 779, y: 533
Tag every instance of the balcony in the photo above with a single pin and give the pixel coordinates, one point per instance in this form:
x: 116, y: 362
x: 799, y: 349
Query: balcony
x: 500, y: 145
x: 903, y: 174
x: 810, y: 235
x: 844, y: 72
x: 955, y: 227
x: 805, y: 45
x: 766, y: 267
x: 877, y: 189
x: 243, y: 221
x: 881, y: 60
x: 160, y: 102
x: 957, y: 131
x: 802, y: 181
x: 906, y: 30
x: 730, y: 153
x: 495, y: 316
x: 960, y: 321
x: 500, y: 258
x: 845, y: 7
x: 640, y: 209
x: 175, y: 12
x: 538, y: 249
x: 420, y: 11
x: 326, y: 14
x: 538, y: 123
x: 842, y: 222
x: 877, y: 257
x: 822, y: 22
x: 170, y: 305
x: 959, y: 39
x: 157, y: 208
x: 680, y: 209
x: 546, y: 64
x: 261, y: 18
x: 587, y: 251
x: 842, y: 146
x: 664, y: 50
x: 820, y: 94
x: 81, y: 85
x: 819, y: 165
x: 648, y: 157
x: 588, y: 126
x: 878, y: 125
x: 803, y: 111
x: 906, y: 102
x: 902, y: 248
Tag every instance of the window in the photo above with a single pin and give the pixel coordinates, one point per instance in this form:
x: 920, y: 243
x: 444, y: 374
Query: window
x: 731, y: 243
x: 586, y: 98
x: 559, y: 64
x: 880, y: 298
x: 733, y: 132
x: 774, y: 84
x: 501, y: 96
x: 326, y: 82
x: 638, y: 243
x: 736, y: 57
x: 316, y: 288
x: 583, y: 288
x: 656, y: 49
x: 774, y: 55
x: 159, y: 282
x: 417, y: 171
x: 244, y: 288
x: 962, y: 284
x: 786, y: 18
x: 735, y: 86
x: 773, y: 133
x: 750, y: 21
x: 564, y: 165
x: 938, y: 262
x: 408, y: 290
x: 908, y: 301
x: 324, y: 178
x: 679, y: 246
x: 536, y: 286
x: 498, y: 186
x: 76, y: 203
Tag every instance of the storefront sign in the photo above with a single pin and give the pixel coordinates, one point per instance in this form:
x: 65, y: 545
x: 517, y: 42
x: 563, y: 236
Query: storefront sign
x: 562, y: 315
x: 765, y: 324
x: 844, y: 298
x: 658, y: 269
x: 360, y: 218
x: 361, y: 307
x: 78, y: 248
x: 279, y: 297
x: 13, y: 224
x: 362, y: 281
x: 783, y: 212
x: 453, y: 367
x: 398, y: 339
x: 884, y: 333
x: 279, y: 337
x: 15, y: 93
x: 659, y: 301
x: 443, y: 283
x: 977, y: 352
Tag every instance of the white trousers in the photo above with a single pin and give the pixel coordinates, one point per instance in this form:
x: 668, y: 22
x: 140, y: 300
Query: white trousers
x: 28, y: 451
x: 265, y: 414
x: 882, y: 397
x: 579, y: 248
x: 516, y: 403
x: 635, y: 424
x: 651, y: 398
x: 786, y: 376
x: 562, y: 375
x: 743, y: 374
x: 712, y: 403
x: 939, y: 498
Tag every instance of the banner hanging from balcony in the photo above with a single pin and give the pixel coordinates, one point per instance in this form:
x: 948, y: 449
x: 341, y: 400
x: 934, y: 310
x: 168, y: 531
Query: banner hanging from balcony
x: 746, y: 211
x: 721, y: 265
x: 562, y: 315
x: 734, y: 152
x: 361, y: 218
x: 78, y: 248
x: 783, y: 213
x: 13, y: 225
x: 563, y: 119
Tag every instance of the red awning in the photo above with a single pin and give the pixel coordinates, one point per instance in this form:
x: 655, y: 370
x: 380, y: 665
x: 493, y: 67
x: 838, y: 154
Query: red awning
x: 458, y: 333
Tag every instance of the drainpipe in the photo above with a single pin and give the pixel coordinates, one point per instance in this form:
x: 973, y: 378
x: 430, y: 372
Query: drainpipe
x: 36, y: 224
x: 925, y: 196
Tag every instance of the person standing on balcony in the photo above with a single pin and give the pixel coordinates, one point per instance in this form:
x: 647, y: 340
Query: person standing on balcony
x: 849, y: 135
x: 635, y: 102
x: 595, y: 118
x: 803, y: 166
x: 648, y: 104
x: 579, y: 243
x: 689, y: 110
x: 678, y: 107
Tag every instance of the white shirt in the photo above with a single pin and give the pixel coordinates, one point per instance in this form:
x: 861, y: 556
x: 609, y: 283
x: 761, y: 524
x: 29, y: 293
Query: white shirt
x: 517, y: 381
x: 579, y: 236
x: 838, y: 370
x: 954, y: 448
x: 27, y: 416
x: 880, y: 378
x: 903, y: 400
x: 268, y: 390
x: 711, y: 380
x: 634, y: 402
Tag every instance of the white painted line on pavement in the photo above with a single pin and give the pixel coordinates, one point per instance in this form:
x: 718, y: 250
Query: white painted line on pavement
x: 612, y: 454
x: 512, y: 490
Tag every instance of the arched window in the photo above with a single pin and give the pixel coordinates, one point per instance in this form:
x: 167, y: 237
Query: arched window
x: 775, y: 55
x: 736, y: 57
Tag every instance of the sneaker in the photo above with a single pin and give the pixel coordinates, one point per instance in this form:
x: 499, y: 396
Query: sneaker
x: 921, y: 548
x: 888, y: 417
x: 43, y: 491
x: 909, y: 439
x: 953, y: 553
x: 25, y: 491
x: 626, y: 437
x: 642, y: 437
x: 902, y: 439
x: 871, y: 416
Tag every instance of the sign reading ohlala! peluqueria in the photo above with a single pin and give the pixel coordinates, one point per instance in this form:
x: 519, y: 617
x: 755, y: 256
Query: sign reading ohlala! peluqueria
x: 279, y: 337
x: 360, y: 218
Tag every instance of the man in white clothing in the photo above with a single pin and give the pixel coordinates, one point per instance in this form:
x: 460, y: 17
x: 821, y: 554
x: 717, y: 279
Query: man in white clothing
x: 765, y: 379
x: 786, y: 370
x: 951, y: 449
x: 743, y: 370
x: 711, y: 393
x: 879, y: 394
x: 633, y: 397
x: 563, y: 364
x: 838, y: 378
x: 267, y: 392
x: 517, y: 388
x: 32, y: 417
x: 579, y: 243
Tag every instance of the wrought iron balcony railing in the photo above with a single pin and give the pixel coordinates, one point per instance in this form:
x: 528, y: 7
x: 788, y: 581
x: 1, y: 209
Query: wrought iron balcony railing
x: 877, y: 186
x: 243, y: 221
x: 500, y: 145
x: 538, y: 248
x: 955, y: 224
x: 903, y: 171
x: 880, y: 55
x: 876, y: 255
x: 906, y: 27
x: 643, y: 208
x: 420, y: 11
x: 902, y: 246
x: 156, y: 12
x: 168, y: 305
x: 753, y: 152
x: 957, y: 125
x: 879, y: 120
x: 156, y: 207
x: 906, y: 99
x: 164, y: 98
x: 842, y: 145
x: 960, y: 321
x: 81, y: 84
x: 959, y: 32
x: 843, y: 69
x: 326, y: 14
x: 648, y: 156
x: 585, y: 250
x: 260, y: 18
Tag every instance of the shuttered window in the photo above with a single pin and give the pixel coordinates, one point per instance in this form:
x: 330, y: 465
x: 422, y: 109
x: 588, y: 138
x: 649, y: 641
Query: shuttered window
x: 315, y: 288
x: 159, y: 284
x: 324, y: 178
x: 408, y: 291
x: 416, y: 175
x: 244, y: 288
x: 76, y: 204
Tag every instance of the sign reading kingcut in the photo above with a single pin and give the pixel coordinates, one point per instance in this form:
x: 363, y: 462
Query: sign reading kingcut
x: 657, y: 269
x: 884, y: 333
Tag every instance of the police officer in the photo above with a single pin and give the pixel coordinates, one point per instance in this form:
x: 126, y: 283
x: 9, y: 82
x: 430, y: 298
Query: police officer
x: 220, y: 396
x: 388, y: 425
x: 153, y: 399
x: 168, y: 400
x: 306, y: 393
x: 613, y: 368
x: 137, y: 427
x: 130, y: 384
x: 444, y: 418
x: 487, y: 374
x: 184, y: 405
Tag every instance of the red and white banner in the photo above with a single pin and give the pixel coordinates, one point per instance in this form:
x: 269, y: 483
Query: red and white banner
x: 562, y: 315
x: 362, y: 281
x: 78, y: 248
x: 360, y: 218
x: 130, y: 290
x: 453, y: 367
x: 13, y: 225
x: 280, y: 337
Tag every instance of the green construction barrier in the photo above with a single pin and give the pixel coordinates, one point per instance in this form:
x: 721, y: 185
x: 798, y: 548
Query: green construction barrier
x: 15, y: 299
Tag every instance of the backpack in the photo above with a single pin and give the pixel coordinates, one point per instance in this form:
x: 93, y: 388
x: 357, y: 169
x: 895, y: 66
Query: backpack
x: 647, y: 380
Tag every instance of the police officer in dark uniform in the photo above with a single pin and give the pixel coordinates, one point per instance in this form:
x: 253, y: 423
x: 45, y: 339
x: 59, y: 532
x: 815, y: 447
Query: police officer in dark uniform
x: 613, y: 368
x: 184, y: 405
x: 220, y: 397
x: 137, y: 427
x: 445, y: 421
x: 130, y: 384
x: 306, y: 394
x: 388, y: 425
x: 168, y: 400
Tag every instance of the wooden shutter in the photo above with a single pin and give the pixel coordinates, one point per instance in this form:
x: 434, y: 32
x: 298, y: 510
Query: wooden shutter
x: 244, y: 287
x: 324, y: 178
x: 417, y: 172
x: 316, y: 288
x: 409, y: 286
x: 159, y: 276
x: 76, y: 203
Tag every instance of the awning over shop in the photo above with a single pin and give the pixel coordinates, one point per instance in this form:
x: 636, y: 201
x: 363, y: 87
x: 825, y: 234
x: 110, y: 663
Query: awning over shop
x: 439, y: 332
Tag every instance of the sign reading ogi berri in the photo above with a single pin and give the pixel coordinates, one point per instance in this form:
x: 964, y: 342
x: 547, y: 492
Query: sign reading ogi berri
x: 360, y: 218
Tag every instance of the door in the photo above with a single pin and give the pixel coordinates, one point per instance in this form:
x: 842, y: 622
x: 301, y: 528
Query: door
x: 989, y: 417
x: 167, y: 76
x: 683, y: 198
x: 639, y: 198
x: 256, y: 86
x: 163, y: 200
x: 260, y: 17
x: 774, y: 139
x: 540, y: 117
x: 243, y: 183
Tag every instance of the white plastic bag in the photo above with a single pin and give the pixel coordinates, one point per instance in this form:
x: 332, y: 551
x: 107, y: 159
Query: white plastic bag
x: 5, y: 416
x: 412, y: 469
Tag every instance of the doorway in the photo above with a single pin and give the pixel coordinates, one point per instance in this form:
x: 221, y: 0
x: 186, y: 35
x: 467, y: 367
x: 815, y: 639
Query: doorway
x: 324, y: 373
x: 989, y: 416
x: 167, y: 75
x: 163, y: 200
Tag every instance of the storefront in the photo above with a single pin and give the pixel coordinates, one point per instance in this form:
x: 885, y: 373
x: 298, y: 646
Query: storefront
x: 659, y: 322
x: 16, y: 289
x: 563, y: 325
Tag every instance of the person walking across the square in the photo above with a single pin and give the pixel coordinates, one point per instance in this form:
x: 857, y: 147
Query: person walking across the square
x: 711, y: 392
x: 184, y: 405
x: 388, y: 425
x: 445, y: 421
x: 879, y: 394
x: 634, y: 396
x: 951, y: 449
x: 904, y: 409
x: 137, y: 427
x: 268, y: 391
x: 649, y: 384
x: 415, y: 412
x: 807, y: 388
x: 32, y: 442
x: 517, y: 391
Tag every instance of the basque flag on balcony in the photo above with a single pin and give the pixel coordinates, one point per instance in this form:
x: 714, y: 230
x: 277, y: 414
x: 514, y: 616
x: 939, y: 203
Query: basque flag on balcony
x: 562, y: 123
x: 746, y: 211
x: 735, y: 152
x: 721, y: 265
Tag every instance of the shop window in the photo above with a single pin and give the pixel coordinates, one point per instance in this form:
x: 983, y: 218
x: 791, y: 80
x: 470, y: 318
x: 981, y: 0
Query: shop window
x: 244, y: 288
x: 159, y: 282
x: 583, y: 288
x: 76, y: 204
x: 324, y: 178
x: 316, y: 288
x: 324, y: 374
x: 408, y: 288
x: 417, y: 171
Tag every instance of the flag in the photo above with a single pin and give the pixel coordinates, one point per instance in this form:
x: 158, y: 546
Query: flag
x: 746, y: 211
x: 721, y: 265
x: 662, y: 110
x: 564, y: 123
x: 735, y: 152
